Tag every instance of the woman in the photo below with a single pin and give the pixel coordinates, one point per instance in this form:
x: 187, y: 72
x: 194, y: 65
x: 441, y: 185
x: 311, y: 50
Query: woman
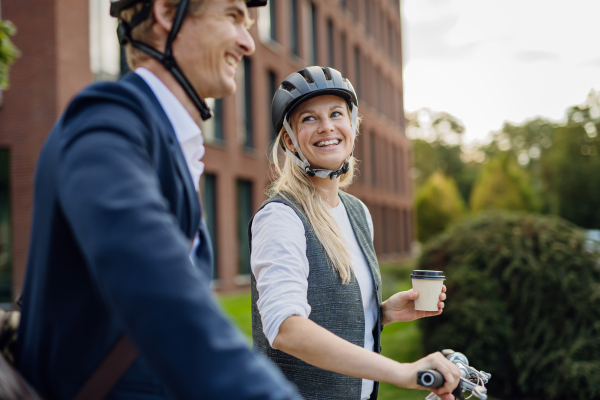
x: 316, y: 288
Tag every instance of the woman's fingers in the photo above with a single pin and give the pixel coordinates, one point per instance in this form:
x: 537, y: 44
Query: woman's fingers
x: 443, y: 288
x: 450, y: 372
x: 442, y: 296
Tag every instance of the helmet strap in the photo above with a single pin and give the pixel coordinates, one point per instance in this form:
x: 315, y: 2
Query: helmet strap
x: 166, y: 58
x: 303, y: 163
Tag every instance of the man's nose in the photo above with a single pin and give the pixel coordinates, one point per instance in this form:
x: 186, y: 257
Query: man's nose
x: 245, y: 41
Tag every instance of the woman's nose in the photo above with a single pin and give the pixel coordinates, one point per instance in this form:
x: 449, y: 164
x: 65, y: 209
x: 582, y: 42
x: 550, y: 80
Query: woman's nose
x: 326, y: 125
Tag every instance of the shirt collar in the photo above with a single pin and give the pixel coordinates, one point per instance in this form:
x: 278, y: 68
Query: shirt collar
x: 183, y: 124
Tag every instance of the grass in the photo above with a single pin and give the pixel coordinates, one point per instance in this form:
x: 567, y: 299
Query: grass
x: 400, y: 341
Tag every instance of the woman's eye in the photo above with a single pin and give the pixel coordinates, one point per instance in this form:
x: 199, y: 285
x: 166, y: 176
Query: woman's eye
x: 336, y: 114
x: 309, y: 118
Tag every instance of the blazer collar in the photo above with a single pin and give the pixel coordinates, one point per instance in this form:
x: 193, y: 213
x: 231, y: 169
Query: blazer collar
x: 182, y: 168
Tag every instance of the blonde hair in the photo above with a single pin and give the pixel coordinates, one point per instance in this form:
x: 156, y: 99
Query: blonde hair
x: 291, y: 180
x: 143, y: 32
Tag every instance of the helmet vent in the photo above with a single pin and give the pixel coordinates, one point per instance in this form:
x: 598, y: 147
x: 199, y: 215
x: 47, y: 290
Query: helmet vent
x: 327, y: 74
x: 288, y: 87
x: 307, y: 76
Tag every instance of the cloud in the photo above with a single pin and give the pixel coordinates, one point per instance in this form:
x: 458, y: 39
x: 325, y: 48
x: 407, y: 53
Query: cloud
x: 592, y: 63
x: 531, y: 56
x: 429, y: 40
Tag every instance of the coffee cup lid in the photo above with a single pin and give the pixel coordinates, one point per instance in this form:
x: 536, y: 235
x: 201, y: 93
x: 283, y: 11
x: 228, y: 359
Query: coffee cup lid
x: 430, y: 275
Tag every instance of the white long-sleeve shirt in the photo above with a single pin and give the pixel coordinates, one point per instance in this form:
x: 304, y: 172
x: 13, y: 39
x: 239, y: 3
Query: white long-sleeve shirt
x: 281, y: 268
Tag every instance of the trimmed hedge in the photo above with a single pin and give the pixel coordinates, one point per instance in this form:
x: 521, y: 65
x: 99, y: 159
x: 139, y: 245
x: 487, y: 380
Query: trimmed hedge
x: 523, y: 304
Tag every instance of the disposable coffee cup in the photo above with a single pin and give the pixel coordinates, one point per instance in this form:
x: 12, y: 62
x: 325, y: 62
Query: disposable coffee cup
x: 429, y: 285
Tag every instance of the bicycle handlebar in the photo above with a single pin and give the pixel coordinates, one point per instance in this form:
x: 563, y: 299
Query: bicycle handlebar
x: 471, y: 379
x: 430, y: 378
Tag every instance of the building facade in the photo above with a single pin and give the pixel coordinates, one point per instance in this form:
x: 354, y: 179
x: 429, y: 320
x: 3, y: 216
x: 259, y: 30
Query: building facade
x: 360, y: 38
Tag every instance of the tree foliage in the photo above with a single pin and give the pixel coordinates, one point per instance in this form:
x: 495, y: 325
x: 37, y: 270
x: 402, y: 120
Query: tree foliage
x: 438, y: 203
x: 524, y: 304
x: 571, y: 168
x: 437, y: 146
x: 502, y: 185
x: 8, y: 51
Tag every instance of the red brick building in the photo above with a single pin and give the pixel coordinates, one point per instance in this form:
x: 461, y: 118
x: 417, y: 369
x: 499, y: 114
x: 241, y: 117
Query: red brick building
x: 361, y: 38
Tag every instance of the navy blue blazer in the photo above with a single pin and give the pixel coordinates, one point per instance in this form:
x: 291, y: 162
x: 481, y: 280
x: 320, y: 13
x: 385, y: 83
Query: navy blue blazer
x: 114, y: 212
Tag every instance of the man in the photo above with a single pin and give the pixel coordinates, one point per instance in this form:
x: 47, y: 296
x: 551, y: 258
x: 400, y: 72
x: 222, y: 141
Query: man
x: 118, y: 252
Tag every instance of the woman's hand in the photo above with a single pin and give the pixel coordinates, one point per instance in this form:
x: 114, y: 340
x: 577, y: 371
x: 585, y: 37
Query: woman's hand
x: 401, y: 307
x: 440, y: 363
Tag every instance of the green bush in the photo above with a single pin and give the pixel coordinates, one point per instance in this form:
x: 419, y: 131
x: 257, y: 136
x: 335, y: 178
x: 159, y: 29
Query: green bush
x: 523, y: 304
x: 503, y: 185
x: 438, y: 203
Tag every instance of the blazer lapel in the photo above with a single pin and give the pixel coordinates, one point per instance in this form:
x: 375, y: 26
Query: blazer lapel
x: 195, y: 212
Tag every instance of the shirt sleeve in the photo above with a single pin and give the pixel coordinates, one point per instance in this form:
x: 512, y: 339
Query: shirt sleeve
x: 369, y: 220
x: 280, y: 266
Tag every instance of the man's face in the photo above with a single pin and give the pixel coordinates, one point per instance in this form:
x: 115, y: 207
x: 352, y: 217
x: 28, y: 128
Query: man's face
x: 210, y: 46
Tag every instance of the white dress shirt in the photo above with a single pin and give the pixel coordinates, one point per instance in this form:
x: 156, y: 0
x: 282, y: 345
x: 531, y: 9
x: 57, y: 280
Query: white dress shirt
x: 187, y: 131
x: 280, y: 266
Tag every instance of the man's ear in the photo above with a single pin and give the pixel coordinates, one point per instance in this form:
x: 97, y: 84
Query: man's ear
x: 163, y: 15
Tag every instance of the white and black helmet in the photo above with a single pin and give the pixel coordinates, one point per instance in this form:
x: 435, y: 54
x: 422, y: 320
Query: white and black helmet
x: 304, y: 85
x: 166, y: 58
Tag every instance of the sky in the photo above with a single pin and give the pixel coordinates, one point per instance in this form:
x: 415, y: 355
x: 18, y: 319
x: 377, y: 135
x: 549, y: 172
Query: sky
x: 488, y: 61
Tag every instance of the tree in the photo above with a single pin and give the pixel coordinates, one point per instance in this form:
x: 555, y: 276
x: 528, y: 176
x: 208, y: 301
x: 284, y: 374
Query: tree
x: 437, y: 146
x: 502, y: 185
x: 438, y: 204
x: 8, y: 51
x: 572, y: 166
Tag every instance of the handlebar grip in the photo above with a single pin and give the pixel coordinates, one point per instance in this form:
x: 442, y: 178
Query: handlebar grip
x: 430, y: 378
x: 433, y: 379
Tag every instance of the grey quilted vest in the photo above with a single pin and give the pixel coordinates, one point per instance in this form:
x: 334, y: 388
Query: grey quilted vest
x: 336, y: 307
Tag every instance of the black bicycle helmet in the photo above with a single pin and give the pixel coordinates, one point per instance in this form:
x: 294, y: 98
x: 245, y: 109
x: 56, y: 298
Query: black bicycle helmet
x: 304, y: 85
x: 166, y: 58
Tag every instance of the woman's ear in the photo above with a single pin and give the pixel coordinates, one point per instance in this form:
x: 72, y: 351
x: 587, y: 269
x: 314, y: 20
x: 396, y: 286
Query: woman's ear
x: 287, y: 141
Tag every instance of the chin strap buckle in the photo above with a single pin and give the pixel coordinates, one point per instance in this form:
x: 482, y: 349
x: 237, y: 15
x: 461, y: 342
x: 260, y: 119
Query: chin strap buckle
x: 340, y: 171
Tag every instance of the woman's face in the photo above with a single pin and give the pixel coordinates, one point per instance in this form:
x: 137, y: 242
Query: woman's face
x: 323, y: 131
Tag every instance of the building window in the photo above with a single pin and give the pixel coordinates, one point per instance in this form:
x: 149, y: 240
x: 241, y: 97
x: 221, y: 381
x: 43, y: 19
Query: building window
x: 294, y: 27
x: 373, y: 148
x: 311, y: 30
x: 378, y: 88
x: 209, y: 212
x: 212, y: 128
x: 407, y: 228
x: 244, y: 103
x: 272, y: 80
x: 367, y: 17
x: 390, y: 41
x: 6, y: 270
x: 357, y: 71
x: 343, y: 45
x: 267, y: 23
x: 244, y: 206
x: 331, y: 48
x: 105, y: 52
